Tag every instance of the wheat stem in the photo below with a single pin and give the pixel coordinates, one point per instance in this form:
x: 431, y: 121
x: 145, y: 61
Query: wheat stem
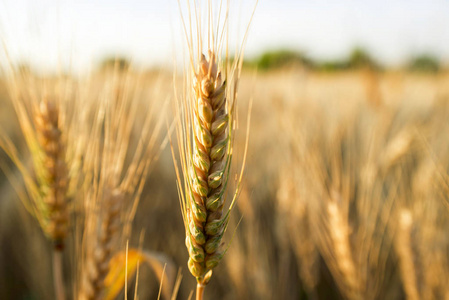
x: 407, y: 267
x: 200, y: 291
x: 58, y: 279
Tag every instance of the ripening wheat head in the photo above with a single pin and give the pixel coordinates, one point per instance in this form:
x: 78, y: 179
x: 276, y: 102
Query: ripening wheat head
x: 42, y: 109
x: 205, y: 133
x: 211, y: 149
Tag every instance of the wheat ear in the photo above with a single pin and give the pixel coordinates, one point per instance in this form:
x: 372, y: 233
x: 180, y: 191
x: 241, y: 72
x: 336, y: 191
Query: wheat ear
x: 205, y: 139
x: 208, y: 174
x: 54, y: 172
x: 98, y: 261
x: 339, y: 233
x: 54, y: 182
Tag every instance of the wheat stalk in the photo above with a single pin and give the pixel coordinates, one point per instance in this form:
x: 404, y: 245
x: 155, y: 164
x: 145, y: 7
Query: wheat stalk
x: 205, y: 139
x: 45, y: 123
x: 54, y: 184
x: 114, y: 187
x: 206, y: 165
x: 403, y: 242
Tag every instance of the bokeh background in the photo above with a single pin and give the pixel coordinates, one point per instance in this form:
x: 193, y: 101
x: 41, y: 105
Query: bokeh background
x: 346, y: 180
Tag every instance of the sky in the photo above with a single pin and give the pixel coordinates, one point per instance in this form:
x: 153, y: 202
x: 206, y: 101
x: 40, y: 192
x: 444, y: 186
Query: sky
x: 48, y: 33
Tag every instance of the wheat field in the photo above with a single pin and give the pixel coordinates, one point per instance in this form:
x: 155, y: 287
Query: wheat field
x: 344, y: 194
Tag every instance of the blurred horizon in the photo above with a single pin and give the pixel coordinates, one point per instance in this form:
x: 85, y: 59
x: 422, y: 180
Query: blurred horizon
x: 79, y: 36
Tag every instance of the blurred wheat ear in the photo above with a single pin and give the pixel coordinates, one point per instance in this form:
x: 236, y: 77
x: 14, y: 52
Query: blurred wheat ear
x: 116, y: 171
x: 54, y: 183
x: 42, y: 111
x: 205, y: 134
x: 54, y: 174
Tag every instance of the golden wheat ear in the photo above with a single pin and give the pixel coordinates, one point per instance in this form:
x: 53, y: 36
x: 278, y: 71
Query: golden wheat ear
x: 206, y: 114
x: 208, y: 172
x: 45, y: 123
x: 54, y: 175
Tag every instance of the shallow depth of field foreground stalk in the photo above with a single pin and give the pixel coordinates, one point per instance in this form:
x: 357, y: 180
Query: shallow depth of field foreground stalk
x: 46, y: 125
x: 205, y: 138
